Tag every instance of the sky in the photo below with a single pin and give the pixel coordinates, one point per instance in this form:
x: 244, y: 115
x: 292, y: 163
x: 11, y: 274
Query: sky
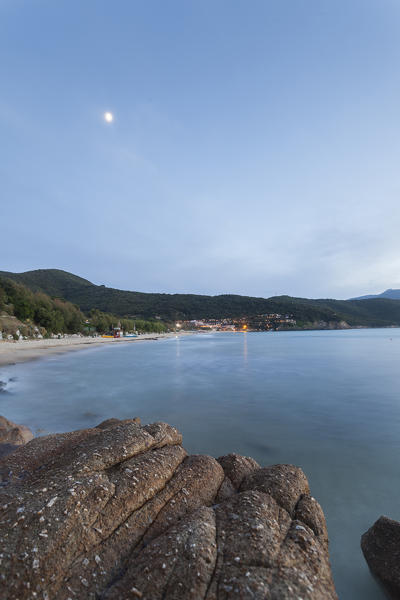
x: 254, y: 148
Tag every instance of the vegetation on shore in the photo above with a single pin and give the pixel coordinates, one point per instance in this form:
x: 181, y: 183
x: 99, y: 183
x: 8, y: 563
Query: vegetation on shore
x: 104, y: 322
x: 375, y: 312
x: 36, y: 313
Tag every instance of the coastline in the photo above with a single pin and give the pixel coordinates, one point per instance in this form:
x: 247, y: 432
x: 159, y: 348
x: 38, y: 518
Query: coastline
x: 13, y: 352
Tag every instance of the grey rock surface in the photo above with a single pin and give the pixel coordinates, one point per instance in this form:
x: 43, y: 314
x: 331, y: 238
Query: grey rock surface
x: 381, y: 548
x: 11, y: 433
x: 121, y: 511
x: 12, y: 436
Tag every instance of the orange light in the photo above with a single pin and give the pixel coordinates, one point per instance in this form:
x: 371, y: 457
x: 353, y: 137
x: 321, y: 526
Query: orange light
x: 244, y: 326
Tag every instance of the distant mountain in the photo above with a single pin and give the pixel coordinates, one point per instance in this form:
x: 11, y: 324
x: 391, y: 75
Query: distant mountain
x: 392, y: 294
x: 374, y: 312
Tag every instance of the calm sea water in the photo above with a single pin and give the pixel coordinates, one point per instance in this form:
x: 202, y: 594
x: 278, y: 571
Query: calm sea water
x: 328, y: 401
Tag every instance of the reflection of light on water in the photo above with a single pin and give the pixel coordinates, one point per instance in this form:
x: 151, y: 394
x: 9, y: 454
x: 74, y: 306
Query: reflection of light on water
x: 178, y: 347
x: 245, y: 348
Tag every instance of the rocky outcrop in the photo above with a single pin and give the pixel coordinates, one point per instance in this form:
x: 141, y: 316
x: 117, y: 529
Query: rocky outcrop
x: 12, y: 436
x: 121, y: 511
x: 381, y: 548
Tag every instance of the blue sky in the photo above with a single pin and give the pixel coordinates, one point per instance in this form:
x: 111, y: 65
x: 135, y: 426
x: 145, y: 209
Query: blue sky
x: 254, y: 150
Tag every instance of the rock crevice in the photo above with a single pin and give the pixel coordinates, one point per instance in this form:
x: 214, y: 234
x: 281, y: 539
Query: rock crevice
x: 121, y: 511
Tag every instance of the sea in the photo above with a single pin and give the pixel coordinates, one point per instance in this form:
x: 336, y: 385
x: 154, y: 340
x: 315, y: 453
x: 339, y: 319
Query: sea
x: 328, y: 401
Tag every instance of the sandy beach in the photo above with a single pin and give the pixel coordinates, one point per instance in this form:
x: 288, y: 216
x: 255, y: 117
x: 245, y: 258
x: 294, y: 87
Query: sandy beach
x: 12, y: 352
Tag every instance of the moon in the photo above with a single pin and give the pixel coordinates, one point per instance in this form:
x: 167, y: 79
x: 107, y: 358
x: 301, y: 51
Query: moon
x: 108, y: 117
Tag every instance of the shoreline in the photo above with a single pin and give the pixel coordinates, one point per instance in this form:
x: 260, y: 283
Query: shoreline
x: 15, y: 352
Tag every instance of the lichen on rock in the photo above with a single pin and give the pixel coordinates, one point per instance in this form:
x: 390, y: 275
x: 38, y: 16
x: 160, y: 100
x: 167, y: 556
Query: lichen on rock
x: 121, y: 511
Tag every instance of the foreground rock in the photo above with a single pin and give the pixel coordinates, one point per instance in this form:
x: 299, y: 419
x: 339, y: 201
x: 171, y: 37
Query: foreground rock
x: 381, y: 548
x: 12, y: 436
x: 121, y: 511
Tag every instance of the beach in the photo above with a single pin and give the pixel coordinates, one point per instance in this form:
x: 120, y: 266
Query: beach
x: 12, y: 352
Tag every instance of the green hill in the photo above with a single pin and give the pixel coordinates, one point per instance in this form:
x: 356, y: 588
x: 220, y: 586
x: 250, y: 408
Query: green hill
x: 53, y: 282
x: 376, y: 312
x: 35, y: 311
x: 30, y: 311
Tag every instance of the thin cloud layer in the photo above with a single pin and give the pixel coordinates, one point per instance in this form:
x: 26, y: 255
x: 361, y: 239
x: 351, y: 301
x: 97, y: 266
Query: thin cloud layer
x: 253, y: 148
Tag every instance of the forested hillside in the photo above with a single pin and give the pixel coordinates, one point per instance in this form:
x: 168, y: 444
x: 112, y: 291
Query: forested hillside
x: 378, y: 312
x: 38, y: 309
x: 54, y: 282
x: 37, y: 312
